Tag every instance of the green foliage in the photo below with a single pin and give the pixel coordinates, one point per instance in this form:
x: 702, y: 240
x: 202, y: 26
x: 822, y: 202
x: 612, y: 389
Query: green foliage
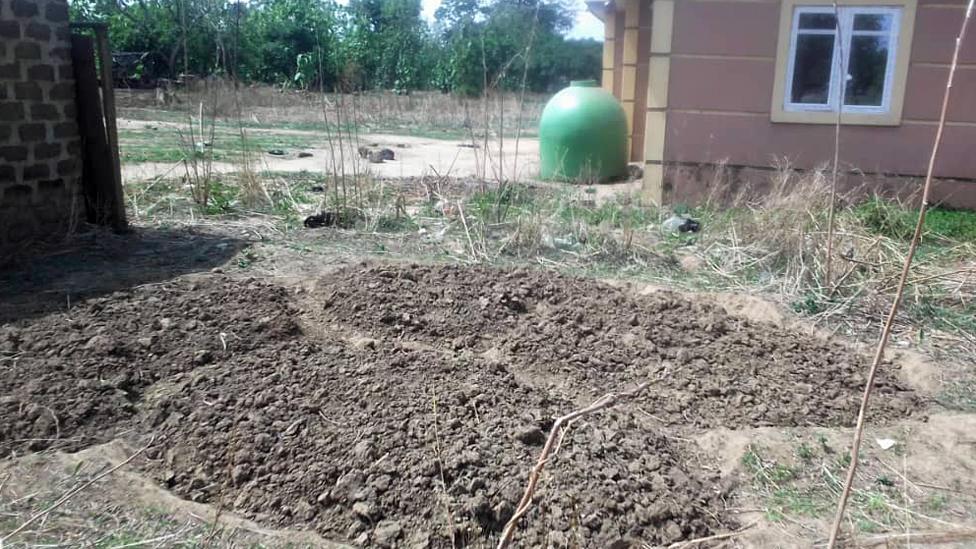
x: 221, y: 198
x: 490, y: 43
x: 810, y: 304
x: 804, y: 452
x: 953, y: 224
x: 367, y: 44
x: 609, y: 214
x: 808, y: 487
x: 893, y: 220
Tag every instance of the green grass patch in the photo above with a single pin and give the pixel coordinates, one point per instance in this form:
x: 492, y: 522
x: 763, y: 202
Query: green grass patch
x: 808, y: 487
x: 497, y: 205
x: 425, y: 130
x: 608, y: 214
x: 894, y: 220
x: 166, y: 144
x: 559, y: 207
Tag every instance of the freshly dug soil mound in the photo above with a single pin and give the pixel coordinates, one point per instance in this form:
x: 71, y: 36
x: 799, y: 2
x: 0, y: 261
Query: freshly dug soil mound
x: 389, y: 445
x: 68, y: 379
x: 580, y: 336
x: 404, y: 406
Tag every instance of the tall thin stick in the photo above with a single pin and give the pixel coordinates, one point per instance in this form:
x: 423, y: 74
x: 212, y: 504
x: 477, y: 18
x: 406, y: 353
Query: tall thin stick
x: 841, y: 93
x: 525, y: 79
x: 886, y: 332
x: 556, y: 434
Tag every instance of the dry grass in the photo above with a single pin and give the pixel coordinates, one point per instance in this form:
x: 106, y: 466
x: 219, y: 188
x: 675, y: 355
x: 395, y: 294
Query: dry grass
x: 428, y: 113
x: 798, y: 482
x: 777, y: 245
x: 123, y: 509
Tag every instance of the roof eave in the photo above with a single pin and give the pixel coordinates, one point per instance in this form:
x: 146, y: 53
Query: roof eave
x: 598, y: 8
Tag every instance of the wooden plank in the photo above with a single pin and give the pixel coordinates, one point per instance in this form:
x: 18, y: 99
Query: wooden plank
x: 111, y: 129
x: 96, y: 160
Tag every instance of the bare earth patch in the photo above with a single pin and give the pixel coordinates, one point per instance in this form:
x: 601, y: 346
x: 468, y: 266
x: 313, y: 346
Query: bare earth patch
x: 397, y: 405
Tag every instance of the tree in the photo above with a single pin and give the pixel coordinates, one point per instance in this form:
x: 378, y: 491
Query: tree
x: 294, y: 41
x: 488, y: 41
x: 369, y: 44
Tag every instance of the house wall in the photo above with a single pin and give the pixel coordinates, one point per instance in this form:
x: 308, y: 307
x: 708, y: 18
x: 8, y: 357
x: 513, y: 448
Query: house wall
x: 626, y: 51
x: 722, y: 68
x: 40, y: 164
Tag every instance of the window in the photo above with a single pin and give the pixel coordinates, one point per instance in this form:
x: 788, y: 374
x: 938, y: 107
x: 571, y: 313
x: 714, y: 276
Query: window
x: 862, y: 60
x: 853, y: 59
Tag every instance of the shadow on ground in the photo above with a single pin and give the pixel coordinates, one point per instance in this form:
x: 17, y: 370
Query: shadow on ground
x: 99, y: 262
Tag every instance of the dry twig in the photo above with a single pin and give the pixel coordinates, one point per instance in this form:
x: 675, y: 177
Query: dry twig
x: 906, y: 271
x: 554, y: 435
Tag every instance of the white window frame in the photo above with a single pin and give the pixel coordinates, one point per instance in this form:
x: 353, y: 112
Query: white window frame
x: 839, y: 65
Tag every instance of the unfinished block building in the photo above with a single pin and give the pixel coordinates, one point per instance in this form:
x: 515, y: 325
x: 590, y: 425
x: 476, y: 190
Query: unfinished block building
x: 40, y: 149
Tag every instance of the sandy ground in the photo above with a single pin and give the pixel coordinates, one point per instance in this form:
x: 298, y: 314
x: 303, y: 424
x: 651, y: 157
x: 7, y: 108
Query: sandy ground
x: 415, y: 157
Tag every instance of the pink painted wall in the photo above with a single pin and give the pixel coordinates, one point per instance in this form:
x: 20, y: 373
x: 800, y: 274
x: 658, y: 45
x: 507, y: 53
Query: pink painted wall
x: 720, y: 95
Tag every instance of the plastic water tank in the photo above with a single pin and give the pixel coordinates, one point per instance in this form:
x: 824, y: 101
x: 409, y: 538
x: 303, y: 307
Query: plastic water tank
x: 583, y: 135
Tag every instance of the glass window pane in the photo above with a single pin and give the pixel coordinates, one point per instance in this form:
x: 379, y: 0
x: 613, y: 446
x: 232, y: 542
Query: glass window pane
x: 817, y: 21
x: 811, y: 69
x: 868, y: 68
x: 872, y: 22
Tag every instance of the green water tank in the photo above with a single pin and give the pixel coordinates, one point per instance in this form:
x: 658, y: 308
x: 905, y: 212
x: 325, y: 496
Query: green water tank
x: 583, y: 135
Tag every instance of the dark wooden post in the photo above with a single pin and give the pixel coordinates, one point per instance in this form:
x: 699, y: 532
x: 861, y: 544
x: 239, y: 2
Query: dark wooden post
x: 111, y: 124
x: 98, y: 128
x: 96, y: 161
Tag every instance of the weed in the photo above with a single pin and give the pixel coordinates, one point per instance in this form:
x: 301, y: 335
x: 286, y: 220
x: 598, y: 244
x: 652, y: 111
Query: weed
x: 823, y: 442
x: 751, y: 461
x: 936, y: 503
x: 395, y: 223
x: 792, y: 501
x: 883, y: 480
x: 809, y: 304
x: 808, y: 488
x: 609, y: 214
x: 220, y: 198
x: 781, y: 473
x: 494, y: 206
x: 805, y: 452
x: 247, y: 258
x: 887, y: 218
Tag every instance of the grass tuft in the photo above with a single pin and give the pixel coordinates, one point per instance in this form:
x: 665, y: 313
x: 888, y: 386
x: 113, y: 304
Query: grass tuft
x: 896, y: 221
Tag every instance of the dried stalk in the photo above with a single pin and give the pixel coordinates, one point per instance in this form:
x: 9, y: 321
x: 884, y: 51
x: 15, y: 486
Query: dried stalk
x: 474, y: 253
x: 521, y: 103
x: 831, y: 211
x: 556, y: 434
x: 71, y: 493
x: 906, y: 270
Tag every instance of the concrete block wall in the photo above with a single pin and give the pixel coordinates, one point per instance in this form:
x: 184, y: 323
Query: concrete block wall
x: 40, y: 151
